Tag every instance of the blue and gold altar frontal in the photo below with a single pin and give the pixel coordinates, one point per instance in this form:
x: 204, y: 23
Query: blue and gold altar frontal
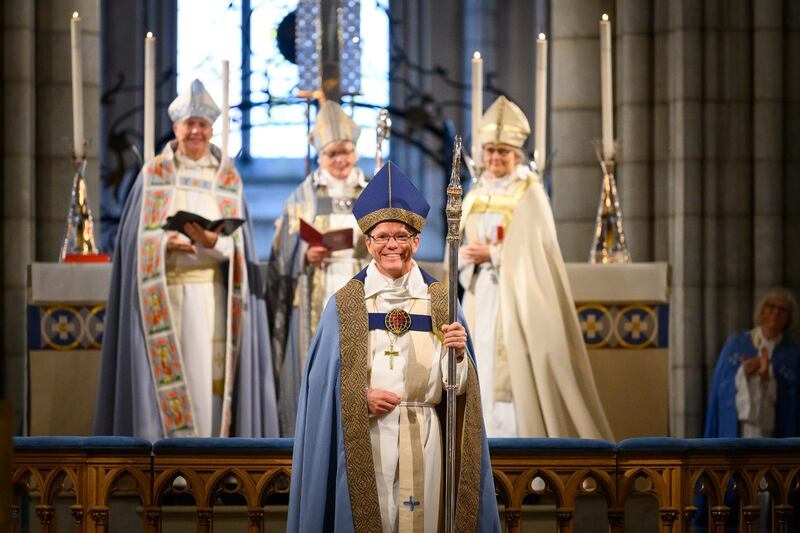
x: 636, y: 326
x: 65, y: 327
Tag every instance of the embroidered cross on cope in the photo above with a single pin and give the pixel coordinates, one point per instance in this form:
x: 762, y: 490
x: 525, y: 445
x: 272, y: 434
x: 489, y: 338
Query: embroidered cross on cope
x: 411, y: 503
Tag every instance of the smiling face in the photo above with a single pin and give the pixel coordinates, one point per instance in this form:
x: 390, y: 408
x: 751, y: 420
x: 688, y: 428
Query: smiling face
x: 775, y: 316
x: 500, y: 159
x: 338, y: 159
x: 193, y: 135
x: 392, y: 258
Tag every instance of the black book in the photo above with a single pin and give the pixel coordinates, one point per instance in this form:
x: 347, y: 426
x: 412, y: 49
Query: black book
x: 226, y: 226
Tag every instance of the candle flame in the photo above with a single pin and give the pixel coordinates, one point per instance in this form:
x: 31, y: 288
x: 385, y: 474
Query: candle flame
x: 476, y: 55
x: 605, y: 17
x: 75, y: 15
x: 149, y: 35
x: 542, y: 37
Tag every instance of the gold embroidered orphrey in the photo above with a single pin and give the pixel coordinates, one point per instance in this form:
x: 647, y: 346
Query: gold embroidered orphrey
x: 362, y: 486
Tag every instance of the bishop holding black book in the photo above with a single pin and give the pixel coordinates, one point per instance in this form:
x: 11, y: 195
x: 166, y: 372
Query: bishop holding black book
x: 186, y: 349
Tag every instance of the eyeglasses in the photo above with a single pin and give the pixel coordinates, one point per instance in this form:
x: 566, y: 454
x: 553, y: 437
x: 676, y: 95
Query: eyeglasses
x: 499, y: 150
x: 777, y: 307
x: 400, y: 238
x: 345, y: 152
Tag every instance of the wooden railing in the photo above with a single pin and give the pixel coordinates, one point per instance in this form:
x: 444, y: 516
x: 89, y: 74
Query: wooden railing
x: 648, y: 484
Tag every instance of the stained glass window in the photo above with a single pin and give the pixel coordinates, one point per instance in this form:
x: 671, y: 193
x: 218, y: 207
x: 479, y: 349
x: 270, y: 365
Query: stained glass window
x: 211, y: 30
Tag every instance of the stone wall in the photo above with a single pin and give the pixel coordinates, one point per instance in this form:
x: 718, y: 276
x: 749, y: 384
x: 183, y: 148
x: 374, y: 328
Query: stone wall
x: 707, y: 118
x: 37, y: 150
x: 707, y: 113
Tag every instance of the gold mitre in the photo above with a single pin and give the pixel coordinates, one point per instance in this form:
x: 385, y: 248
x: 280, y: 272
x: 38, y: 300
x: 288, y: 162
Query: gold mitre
x: 504, y: 123
x: 332, y: 125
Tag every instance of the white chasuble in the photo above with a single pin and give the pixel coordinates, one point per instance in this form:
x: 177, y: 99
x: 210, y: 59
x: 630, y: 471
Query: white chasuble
x: 328, y: 204
x: 342, y: 265
x: 198, y: 295
x: 486, y: 222
x: 417, y: 374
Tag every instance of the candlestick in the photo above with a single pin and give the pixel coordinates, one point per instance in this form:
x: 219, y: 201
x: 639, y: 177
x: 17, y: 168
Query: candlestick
x: 225, y: 108
x: 540, y: 127
x: 606, y: 88
x: 477, y: 106
x: 149, y: 96
x: 78, y: 142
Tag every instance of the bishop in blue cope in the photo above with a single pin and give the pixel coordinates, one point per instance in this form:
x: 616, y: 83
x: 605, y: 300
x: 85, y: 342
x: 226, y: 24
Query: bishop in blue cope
x: 368, y: 452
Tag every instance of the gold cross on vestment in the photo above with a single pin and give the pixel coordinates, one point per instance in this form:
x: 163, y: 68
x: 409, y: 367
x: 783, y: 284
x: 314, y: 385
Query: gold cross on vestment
x: 391, y: 353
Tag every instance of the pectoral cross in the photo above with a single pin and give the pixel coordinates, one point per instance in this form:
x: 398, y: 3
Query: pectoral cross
x: 391, y: 353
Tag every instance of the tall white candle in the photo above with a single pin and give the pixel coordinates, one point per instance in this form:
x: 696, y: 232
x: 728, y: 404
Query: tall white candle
x: 606, y: 88
x: 149, y: 96
x: 78, y: 144
x: 225, y: 108
x: 540, y: 127
x: 477, y: 105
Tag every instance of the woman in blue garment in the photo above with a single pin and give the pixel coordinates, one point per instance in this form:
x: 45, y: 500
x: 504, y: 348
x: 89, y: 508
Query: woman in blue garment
x: 754, y: 391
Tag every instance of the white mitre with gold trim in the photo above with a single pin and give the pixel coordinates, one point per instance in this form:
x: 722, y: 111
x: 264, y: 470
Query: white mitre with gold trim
x: 504, y: 123
x: 195, y: 102
x: 333, y: 125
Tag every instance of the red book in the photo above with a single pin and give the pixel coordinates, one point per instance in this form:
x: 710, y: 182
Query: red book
x: 333, y: 240
x: 87, y: 258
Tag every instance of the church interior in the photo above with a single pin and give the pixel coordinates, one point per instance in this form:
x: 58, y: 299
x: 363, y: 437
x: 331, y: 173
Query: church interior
x: 665, y: 134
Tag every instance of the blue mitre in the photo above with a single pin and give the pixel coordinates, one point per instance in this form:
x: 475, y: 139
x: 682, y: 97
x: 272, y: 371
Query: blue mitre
x: 390, y: 196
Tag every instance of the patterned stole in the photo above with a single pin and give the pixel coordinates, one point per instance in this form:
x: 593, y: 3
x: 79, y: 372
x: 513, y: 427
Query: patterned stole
x: 163, y: 349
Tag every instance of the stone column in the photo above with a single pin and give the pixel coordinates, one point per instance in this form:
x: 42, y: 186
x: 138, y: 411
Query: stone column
x: 684, y: 89
x: 662, y: 201
x: 505, y: 34
x: 791, y: 143
x: 768, y: 67
x: 736, y: 149
x: 575, y: 121
x: 19, y: 152
x: 634, y: 59
x: 713, y: 183
x: 54, y: 169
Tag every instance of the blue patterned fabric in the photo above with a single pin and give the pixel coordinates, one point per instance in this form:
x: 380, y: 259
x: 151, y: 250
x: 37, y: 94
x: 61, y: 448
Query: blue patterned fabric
x: 721, y: 418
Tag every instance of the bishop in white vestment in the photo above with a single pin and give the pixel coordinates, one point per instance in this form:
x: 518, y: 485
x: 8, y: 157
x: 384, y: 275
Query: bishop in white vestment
x: 303, y: 277
x: 186, y: 347
x: 368, y: 453
x: 536, y: 380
